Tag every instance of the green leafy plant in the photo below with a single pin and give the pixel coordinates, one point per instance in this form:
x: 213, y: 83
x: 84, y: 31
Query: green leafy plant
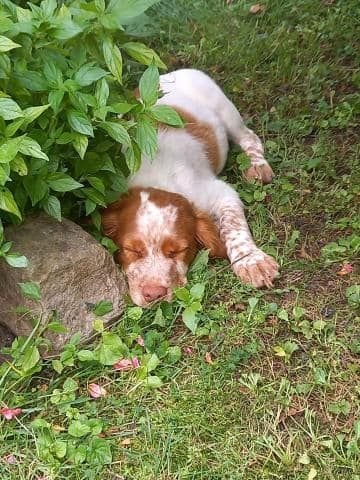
x: 71, y: 129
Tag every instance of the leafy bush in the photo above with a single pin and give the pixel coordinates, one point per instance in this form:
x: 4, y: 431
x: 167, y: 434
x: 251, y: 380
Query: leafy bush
x: 71, y: 129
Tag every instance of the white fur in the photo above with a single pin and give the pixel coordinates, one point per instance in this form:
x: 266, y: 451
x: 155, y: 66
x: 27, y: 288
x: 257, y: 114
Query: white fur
x: 181, y: 166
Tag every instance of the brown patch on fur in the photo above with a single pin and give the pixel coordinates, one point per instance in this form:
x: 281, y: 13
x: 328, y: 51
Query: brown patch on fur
x: 203, y: 132
x: 207, y: 235
x: 192, y: 228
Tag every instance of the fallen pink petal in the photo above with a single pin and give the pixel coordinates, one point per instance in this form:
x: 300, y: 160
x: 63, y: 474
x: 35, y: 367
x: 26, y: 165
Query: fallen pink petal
x: 96, y: 391
x: 187, y: 350
x: 135, y: 362
x: 10, y: 413
x: 126, y: 364
x: 11, y: 459
x: 345, y: 269
x: 140, y: 341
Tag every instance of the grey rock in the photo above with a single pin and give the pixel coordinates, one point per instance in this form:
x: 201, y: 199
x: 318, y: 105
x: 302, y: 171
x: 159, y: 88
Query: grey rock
x: 74, y: 272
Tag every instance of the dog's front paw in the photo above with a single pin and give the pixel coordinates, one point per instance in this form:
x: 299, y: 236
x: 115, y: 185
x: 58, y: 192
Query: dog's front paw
x: 260, y: 171
x: 257, y: 269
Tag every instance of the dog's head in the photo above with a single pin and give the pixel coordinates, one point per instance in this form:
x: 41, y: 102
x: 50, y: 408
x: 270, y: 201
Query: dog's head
x: 158, y: 234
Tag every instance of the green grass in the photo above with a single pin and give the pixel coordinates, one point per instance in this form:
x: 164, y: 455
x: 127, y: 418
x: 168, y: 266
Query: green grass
x: 250, y: 414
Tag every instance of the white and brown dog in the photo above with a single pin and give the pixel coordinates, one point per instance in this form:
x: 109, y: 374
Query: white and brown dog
x: 176, y: 204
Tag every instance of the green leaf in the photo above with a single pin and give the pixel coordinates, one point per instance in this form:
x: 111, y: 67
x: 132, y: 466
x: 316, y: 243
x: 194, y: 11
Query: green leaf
x: 80, y: 143
x: 102, y: 92
x: 119, y: 183
x: 110, y: 349
x: 152, y: 363
x: 40, y: 423
x: 183, y: 294
x: 78, y: 429
x: 116, y: 131
x: 279, y: 351
x: 197, y: 291
x: 126, y: 10
x: 173, y: 354
x: 9, y: 109
x: 61, y: 182
x: 16, y: 260
x: 85, y: 355
x: 5, y: 247
x: 7, y: 202
x: 55, y: 97
x: 57, y: 327
x: 58, y: 448
x: 166, y: 114
x: 66, y: 28
x: 113, y: 58
x: 52, y: 207
x: 146, y: 138
x: 80, y: 122
x: 30, y: 147
x: 70, y: 385
x: 98, y: 325
x: 33, y: 81
x: 32, y: 113
x: 133, y: 158
x: 99, y: 452
x: 10, y: 148
x: 48, y: 7
x: 94, y: 195
x: 282, y: 314
x: 19, y: 166
x: 143, y: 54
x: 88, y: 74
x: 190, y: 319
x: 298, y: 312
x: 149, y: 85
x: 36, y: 188
x: 77, y: 455
x: 121, y: 107
x: 30, y: 290
x: 243, y: 161
x: 103, y: 307
x: 6, y: 44
x: 97, y: 183
x: 30, y: 358
x: 89, y: 206
x: 343, y: 407
x: 152, y: 381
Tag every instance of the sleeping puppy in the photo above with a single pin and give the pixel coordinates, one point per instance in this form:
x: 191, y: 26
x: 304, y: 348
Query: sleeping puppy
x: 176, y: 205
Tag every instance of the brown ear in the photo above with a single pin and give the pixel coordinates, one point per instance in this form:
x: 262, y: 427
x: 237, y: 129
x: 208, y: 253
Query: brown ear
x: 110, y: 219
x: 207, y: 235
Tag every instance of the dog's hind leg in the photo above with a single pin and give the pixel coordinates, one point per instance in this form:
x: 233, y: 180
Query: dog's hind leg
x: 203, y: 90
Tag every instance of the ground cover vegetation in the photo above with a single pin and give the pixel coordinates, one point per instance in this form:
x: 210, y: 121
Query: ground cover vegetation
x: 227, y: 382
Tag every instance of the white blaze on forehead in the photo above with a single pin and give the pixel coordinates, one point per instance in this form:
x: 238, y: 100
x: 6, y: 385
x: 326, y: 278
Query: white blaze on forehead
x: 155, y: 222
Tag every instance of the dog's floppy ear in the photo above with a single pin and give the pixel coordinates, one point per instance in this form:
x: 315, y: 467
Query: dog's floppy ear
x: 110, y: 219
x: 207, y: 235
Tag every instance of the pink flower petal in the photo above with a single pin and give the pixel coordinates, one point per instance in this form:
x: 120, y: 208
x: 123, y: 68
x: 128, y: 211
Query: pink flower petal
x: 187, y: 350
x: 345, y: 269
x: 124, y: 365
x: 96, y: 391
x: 10, y: 413
x: 140, y: 341
x: 11, y: 459
x: 135, y: 362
